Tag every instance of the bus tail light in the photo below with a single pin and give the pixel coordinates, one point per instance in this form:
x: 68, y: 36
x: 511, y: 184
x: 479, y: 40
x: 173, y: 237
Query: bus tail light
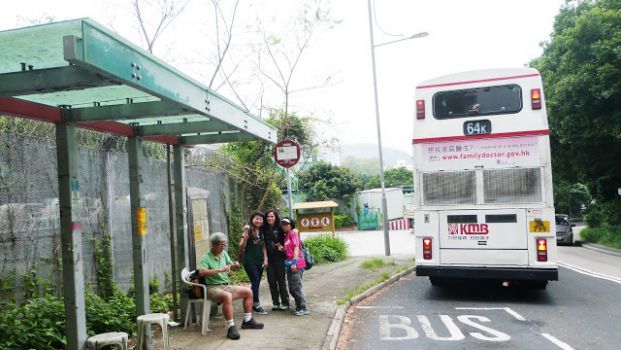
x: 542, y: 249
x: 535, y: 98
x: 427, y: 241
x: 420, y: 109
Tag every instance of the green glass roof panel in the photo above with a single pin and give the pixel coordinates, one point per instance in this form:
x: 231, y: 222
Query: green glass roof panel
x: 80, y: 63
x: 105, y: 95
x: 40, y: 46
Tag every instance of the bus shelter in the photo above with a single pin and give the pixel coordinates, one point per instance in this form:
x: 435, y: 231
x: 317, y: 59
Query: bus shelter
x: 78, y: 74
x: 315, y: 216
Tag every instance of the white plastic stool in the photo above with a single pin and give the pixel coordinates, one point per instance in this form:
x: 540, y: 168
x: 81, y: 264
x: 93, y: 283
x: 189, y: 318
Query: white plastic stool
x: 98, y: 341
x: 146, y: 321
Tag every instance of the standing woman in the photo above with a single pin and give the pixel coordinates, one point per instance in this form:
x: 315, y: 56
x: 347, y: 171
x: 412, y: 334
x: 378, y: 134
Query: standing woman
x: 274, y: 235
x: 295, y: 265
x: 252, y: 245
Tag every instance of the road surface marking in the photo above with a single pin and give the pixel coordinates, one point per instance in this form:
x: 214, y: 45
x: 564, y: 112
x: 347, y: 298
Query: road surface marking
x: 589, y: 273
x: 557, y: 342
x: 454, y: 333
x: 405, y: 324
x: 496, y: 336
x: 405, y: 330
x: 507, y: 309
x: 379, y: 307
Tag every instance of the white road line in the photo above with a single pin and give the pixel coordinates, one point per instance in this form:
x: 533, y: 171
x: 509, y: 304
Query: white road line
x: 378, y: 307
x: 507, y: 309
x: 589, y: 273
x: 561, y: 344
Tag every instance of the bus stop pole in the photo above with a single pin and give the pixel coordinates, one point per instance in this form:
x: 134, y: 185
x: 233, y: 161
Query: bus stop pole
x: 289, y: 195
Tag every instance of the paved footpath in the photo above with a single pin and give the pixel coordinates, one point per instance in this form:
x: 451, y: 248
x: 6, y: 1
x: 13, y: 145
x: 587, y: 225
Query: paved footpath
x: 323, y: 286
x: 371, y: 243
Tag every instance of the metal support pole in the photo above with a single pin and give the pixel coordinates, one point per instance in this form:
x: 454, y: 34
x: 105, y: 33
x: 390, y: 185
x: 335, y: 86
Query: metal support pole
x: 70, y: 236
x: 171, y: 230
x: 379, y: 138
x: 289, y: 195
x: 180, y: 221
x: 141, y: 276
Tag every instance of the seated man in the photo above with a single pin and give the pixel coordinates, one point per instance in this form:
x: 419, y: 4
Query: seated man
x: 215, y: 266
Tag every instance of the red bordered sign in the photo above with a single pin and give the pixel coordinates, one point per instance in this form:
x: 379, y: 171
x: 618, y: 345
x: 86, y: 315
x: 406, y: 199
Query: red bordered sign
x: 287, y: 153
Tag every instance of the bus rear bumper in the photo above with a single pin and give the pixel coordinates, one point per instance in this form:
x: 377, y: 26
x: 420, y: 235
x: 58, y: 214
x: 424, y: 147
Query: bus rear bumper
x: 487, y: 273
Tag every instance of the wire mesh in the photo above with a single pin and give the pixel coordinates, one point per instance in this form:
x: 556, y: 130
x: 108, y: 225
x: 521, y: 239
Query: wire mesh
x: 522, y: 185
x: 449, y: 188
x: 29, y: 213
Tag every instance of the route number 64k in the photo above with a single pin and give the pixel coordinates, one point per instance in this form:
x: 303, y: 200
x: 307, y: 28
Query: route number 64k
x: 477, y: 127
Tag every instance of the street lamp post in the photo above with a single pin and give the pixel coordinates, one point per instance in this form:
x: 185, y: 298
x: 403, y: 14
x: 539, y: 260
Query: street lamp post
x: 377, y: 120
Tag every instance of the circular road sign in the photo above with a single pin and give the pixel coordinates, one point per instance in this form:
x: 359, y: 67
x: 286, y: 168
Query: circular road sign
x: 287, y: 153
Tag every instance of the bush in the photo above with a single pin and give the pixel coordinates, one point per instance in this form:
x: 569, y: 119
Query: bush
x: 327, y: 248
x: 595, y: 217
x: 161, y: 303
x: 343, y: 220
x: 154, y: 286
x: 38, y: 324
x: 116, y: 315
x: 604, y: 234
x: 239, y: 277
x: 592, y: 234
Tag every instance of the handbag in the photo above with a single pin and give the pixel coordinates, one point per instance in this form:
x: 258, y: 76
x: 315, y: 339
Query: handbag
x: 308, y: 257
x: 195, y: 292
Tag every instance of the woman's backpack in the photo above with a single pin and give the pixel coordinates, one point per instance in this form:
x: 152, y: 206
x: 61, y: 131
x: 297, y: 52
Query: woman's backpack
x: 308, y: 257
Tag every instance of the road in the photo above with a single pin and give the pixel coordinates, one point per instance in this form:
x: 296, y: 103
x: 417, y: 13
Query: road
x: 580, y: 311
x: 371, y: 243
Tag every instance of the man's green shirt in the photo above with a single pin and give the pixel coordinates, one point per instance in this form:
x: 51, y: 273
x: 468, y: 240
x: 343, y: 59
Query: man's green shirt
x: 210, y: 262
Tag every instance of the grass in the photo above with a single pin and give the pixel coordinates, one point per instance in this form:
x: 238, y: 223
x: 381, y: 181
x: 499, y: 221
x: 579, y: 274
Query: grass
x: 385, y: 270
x: 606, y: 235
x: 403, y: 268
x: 349, y: 296
x: 376, y: 263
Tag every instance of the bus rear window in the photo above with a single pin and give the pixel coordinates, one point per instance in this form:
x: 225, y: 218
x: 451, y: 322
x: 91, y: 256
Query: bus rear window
x: 488, y: 100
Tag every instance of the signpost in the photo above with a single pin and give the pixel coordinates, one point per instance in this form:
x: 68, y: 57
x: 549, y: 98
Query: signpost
x: 287, y: 154
x: 315, y: 216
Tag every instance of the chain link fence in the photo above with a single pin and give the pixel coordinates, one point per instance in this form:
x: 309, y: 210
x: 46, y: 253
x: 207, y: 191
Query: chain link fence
x: 30, y: 253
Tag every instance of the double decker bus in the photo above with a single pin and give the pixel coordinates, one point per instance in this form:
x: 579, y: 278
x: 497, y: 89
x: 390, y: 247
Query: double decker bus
x: 484, y: 207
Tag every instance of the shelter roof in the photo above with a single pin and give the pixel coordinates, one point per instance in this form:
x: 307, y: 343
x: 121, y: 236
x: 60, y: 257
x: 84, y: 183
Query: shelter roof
x: 79, y: 71
x: 315, y: 205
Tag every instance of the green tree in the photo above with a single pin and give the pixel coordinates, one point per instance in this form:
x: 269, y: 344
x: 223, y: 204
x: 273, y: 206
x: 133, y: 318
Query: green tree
x: 252, y: 165
x: 581, y: 69
x: 323, y: 181
x: 395, y: 177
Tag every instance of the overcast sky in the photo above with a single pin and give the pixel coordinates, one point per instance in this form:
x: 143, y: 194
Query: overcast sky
x: 463, y: 35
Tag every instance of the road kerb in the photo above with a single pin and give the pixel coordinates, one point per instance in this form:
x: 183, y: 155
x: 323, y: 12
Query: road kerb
x: 332, y: 337
x: 601, y: 249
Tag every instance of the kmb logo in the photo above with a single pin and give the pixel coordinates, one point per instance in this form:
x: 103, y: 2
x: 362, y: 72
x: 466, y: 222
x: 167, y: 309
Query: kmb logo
x: 468, y: 229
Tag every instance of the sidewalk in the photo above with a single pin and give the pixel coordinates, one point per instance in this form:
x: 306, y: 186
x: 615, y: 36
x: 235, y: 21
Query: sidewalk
x: 324, y: 285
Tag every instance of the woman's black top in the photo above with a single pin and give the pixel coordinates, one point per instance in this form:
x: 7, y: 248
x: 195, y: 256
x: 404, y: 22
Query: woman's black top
x: 273, y: 235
